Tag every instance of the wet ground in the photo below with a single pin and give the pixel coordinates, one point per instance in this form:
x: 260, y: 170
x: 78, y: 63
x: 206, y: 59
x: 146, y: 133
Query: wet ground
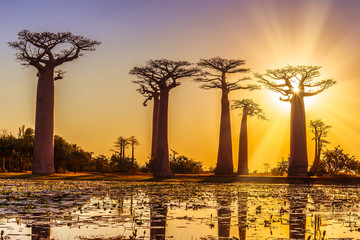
x: 89, y: 209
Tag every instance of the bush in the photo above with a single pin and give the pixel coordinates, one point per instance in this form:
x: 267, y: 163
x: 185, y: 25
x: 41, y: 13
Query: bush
x: 183, y: 164
x: 281, y: 168
x: 123, y: 165
x: 336, y: 162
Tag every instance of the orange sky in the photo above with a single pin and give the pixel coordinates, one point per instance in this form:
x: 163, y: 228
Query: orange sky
x: 96, y: 101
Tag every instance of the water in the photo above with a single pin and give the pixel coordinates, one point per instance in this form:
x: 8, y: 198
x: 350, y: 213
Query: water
x: 85, y: 210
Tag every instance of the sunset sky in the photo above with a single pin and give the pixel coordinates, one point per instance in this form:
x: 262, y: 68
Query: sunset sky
x: 96, y: 101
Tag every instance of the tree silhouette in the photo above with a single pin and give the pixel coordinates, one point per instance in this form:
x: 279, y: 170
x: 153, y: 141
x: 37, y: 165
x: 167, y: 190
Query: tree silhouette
x: 295, y: 83
x: 217, y: 79
x: 121, y: 143
x: 150, y: 90
x: 320, y: 131
x: 163, y: 74
x: 133, y: 142
x: 250, y: 108
x: 45, y: 51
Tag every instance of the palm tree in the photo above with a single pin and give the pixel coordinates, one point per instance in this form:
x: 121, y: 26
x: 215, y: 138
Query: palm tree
x: 250, y: 108
x: 133, y: 142
x: 121, y: 143
x: 295, y: 83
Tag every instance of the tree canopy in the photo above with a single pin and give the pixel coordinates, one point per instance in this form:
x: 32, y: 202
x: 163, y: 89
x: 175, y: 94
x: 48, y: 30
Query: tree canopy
x: 47, y: 48
x: 289, y: 80
x: 252, y: 108
x: 217, y: 69
x: 161, y: 74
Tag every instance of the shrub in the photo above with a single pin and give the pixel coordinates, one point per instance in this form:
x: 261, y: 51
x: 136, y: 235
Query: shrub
x: 335, y: 162
x: 281, y: 168
x: 183, y: 164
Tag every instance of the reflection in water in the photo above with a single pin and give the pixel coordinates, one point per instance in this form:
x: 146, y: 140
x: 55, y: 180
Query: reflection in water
x: 297, y: 218
x: 224, y: 216
x: 108, y: 210
x: 40, y: 232
x: 242, y: 214
x: 158, y: 213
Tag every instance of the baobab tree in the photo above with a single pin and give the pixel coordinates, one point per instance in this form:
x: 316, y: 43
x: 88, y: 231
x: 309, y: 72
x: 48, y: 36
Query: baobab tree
x: 164, y: 74
x: 45, y: 51
x: 320, y: 131
x: 151, y: 91
x: 295, y: 83
x: 250, y: 108
x: 217, y: 78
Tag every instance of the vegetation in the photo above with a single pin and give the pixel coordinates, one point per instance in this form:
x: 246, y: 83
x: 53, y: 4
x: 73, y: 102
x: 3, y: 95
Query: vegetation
x: 281, y: 168
x: 320, y: 131
x: 250, y: 108
x: 336, y: 162
x: 45, y: 51
x: 183, y: 164
x: 180, y: 164
x: 217, y: 78
x: 295, y: 83
x: 16, y: 152
x: 333, y: 163
x: 45, y: 153
x: 164, y: 74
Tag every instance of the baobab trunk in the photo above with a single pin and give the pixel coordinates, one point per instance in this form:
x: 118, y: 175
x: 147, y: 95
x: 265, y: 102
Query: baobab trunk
x: 155, y: 124
x: 224, y: 164
x: 162, y: 163
x: 316, y: 163
x: 298, y: 152
x: 243, y: 146
x: 43, y: 162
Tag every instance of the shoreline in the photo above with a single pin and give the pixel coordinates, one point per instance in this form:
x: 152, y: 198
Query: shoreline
x: 195, y: 178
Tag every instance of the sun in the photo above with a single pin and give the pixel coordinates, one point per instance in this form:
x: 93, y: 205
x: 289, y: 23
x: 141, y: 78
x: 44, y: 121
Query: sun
x: 295, y: 83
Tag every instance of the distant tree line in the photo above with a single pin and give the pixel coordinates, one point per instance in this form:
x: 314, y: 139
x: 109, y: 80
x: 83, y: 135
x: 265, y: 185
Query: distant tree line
x: 16, y: 155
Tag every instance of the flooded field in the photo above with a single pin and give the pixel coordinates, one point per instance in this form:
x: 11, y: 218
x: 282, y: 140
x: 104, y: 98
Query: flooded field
x: 86, y: 210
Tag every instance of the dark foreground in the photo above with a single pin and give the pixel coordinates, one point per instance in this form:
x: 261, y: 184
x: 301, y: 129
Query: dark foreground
x: 196, y: 178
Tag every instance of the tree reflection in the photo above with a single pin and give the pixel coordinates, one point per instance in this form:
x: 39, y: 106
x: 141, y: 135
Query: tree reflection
x: 297, y: 217
x: 41, y: 231
x: 224, y: 216
x: 242, y: 214
x: 158, y: 213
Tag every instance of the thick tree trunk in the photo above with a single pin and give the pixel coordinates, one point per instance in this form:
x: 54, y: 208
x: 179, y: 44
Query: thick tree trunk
x: 162, y: 163
x: 243, y: 146
x: 224, y: 164
x: 43, y: 162
x: 298, y: 152
x: 314, y: 168
x: 155, y: 124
